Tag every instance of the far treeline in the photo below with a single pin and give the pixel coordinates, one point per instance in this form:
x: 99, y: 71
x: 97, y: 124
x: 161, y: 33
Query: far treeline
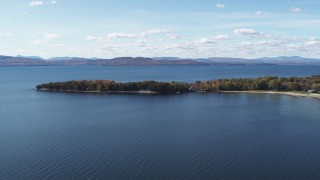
x: 270, y: 83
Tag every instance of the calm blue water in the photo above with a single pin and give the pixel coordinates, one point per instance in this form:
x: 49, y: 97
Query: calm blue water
x: 189, y: 136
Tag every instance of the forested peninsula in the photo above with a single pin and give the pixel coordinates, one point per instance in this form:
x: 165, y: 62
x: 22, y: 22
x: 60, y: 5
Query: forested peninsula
x: 270, y: 84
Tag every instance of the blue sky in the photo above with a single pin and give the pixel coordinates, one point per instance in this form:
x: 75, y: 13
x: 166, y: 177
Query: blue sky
x: 180, y: 28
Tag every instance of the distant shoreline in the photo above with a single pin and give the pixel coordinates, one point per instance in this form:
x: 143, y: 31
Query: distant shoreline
x: 296, y: 94
x: 21, y: 61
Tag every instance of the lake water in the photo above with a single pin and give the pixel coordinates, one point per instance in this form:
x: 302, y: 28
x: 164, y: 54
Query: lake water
x: 187, y: 136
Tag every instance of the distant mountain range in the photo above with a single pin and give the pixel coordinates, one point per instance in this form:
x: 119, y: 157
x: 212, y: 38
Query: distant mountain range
x: 156, y: 61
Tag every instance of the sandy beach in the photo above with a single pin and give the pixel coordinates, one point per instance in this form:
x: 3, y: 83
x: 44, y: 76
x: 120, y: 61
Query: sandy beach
x: 297, y: 94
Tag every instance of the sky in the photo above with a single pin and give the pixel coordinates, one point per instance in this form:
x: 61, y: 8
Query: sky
x: 166, y: 28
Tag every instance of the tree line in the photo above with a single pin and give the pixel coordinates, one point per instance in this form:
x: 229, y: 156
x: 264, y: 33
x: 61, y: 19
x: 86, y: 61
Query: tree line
x: 107, y: 85
x: 272, y: 83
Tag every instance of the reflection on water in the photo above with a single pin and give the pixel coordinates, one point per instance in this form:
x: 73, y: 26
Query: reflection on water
x: 187, y: 136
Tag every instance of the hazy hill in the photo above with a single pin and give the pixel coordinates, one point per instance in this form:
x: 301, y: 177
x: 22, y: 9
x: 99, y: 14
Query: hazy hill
x: 21, y: 61
x: 75, y: 61
x: 290, y: 60
x: 143, y: 61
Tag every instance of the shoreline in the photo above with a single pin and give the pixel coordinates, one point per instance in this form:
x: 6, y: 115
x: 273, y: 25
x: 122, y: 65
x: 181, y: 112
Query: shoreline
x: 101, y: 92
x: 295, y: 94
